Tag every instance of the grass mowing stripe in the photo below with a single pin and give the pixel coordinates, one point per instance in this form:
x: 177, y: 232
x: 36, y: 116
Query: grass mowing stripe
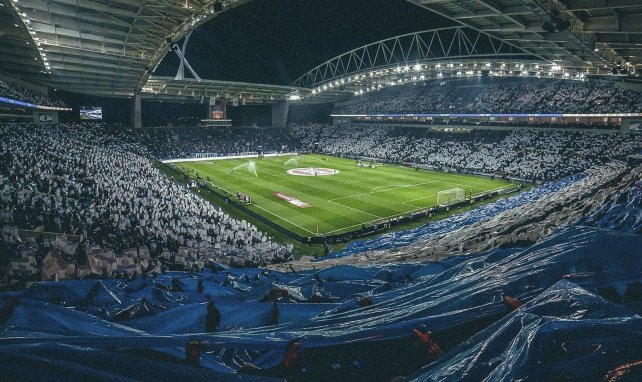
x: 338, y: 202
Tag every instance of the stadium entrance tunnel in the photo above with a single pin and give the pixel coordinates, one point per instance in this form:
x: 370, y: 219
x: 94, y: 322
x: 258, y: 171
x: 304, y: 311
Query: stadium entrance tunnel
x: 313, y: 171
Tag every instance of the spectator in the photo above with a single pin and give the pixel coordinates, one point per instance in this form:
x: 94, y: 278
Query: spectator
x: 18, y: 93
x: 526, y: 154
x: 98, y: 183
x: 212, y: 318
x: 497, y: 95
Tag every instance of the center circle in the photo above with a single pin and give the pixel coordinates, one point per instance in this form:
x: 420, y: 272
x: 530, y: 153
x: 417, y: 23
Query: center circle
x: 312, y: 171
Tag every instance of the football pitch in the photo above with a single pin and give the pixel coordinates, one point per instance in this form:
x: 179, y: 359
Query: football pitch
x: 310, y: 194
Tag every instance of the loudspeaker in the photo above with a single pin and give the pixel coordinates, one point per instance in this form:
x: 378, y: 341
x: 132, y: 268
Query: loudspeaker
x: 548, y: 27
x: 562, y: 25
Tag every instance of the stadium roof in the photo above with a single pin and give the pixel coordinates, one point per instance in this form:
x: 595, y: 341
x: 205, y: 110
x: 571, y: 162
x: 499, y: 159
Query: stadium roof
x: 110, y: 47
x: 102, y: 47
x: 592, y: 33
x: 168, y: 88
x: 15, y: 39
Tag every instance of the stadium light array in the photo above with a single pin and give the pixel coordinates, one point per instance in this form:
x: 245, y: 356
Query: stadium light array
x: 375, y: 80
x: 32, y: 32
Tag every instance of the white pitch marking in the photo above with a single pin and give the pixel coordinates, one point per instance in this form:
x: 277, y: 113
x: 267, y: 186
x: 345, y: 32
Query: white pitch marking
x: 284, y: 219
x: 355, y: 209
x: 383, y: 218
x: 390, y: 185
x: 391, y: 189
x: 400, y: 213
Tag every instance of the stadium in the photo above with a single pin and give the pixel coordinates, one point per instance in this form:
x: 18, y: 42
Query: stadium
x: 363, y: 190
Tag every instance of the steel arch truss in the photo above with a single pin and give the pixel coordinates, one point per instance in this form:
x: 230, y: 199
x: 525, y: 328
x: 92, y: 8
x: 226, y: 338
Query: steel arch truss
x: 430, y: 45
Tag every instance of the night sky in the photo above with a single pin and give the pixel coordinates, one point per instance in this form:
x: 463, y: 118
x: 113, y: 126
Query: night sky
x: 276, y: 41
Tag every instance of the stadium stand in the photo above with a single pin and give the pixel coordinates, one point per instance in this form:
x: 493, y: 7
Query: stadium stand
x: 171, y: 143
x: 17, y: 93
x: 497, y: 95
x: 403, y: 304
x: 525, y: 154
x: 119, y: 261
x: 91, y: 181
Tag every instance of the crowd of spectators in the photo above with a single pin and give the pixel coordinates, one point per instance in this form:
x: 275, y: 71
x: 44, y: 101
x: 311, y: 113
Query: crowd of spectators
x: 99, y: 184
x: 525, y: 154
x: 497, y: 95
x: 172, y: 143
x: 18, y: 93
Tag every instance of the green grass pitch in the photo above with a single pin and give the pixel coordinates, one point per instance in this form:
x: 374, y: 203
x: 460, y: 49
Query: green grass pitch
x: 338, y: 203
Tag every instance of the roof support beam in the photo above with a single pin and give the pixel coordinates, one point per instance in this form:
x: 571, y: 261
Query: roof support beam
x: 576, y: 5
x: 508, y: 11
x: 615, y: 39
x: 623, y: 23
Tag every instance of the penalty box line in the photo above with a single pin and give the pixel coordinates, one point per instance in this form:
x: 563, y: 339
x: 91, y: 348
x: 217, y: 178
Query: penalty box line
x: 355, y: 209
x: 400, y: 213
x: 409, y: 202
x: 386, y: 190
x: 381, y: 218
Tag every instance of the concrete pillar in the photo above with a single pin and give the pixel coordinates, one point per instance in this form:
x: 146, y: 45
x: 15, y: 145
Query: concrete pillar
x: 343, y: 121
x: 280, y: 114
x: 629, y: 123
x: 625, y: 126
x: 136, y: 112
x: 209, y: 101
x: 336, y: 121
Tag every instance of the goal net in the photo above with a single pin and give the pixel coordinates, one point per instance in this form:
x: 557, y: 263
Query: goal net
x: 451, y: 196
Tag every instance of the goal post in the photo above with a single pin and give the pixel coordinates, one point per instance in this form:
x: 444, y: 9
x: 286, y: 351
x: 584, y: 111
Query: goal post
x: 450, y: 196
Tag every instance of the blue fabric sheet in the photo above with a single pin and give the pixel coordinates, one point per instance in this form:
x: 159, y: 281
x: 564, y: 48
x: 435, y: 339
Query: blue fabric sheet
x: 352, y: 323
x: 623, y: 213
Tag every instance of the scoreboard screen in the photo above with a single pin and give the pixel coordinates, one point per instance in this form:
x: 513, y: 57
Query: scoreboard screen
x: 91, y: 113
